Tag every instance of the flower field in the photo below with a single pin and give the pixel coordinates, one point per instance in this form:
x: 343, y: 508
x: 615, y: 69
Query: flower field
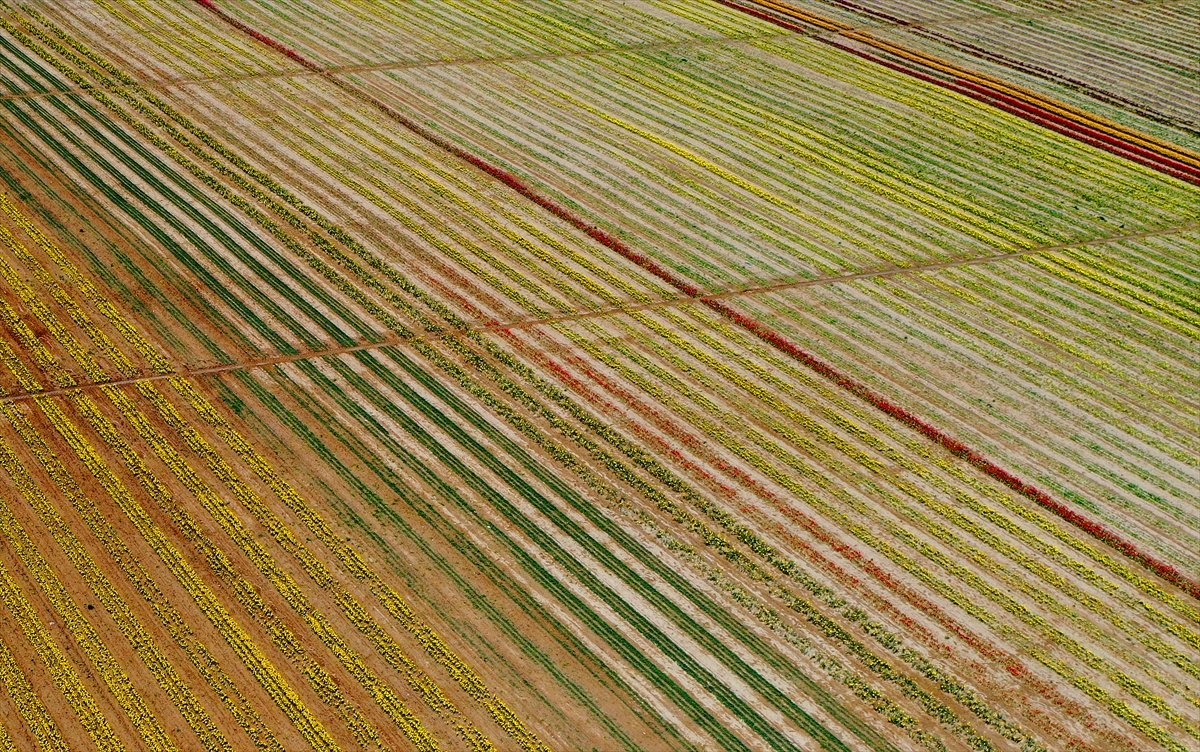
x: 563, y: 375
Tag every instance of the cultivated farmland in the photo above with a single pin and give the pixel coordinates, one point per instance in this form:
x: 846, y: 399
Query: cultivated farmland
x: 557, y: 375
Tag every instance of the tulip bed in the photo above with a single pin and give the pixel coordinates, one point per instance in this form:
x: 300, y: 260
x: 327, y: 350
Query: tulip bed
x: 567, y: 379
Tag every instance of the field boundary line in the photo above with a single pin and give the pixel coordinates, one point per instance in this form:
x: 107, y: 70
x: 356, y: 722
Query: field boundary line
x: 952, y: 263
x: 241, y: 365
x: 683, y: 44
x: 517, y: 324
x: 341, y: 70
x: 765, y: 333
x: 792, y: 284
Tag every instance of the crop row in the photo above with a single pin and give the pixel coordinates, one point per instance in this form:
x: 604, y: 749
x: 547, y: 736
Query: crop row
x: 36, y: 719
x: 59, y: 668
x: 472, y: 209
x: 205, y: 598
x: 380, y: 402
x: 169, y: 680
x: 536, y: 397
x: 172, y: 619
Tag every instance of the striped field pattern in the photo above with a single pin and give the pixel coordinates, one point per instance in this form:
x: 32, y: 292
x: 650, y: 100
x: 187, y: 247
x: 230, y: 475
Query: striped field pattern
x: 563, y: 375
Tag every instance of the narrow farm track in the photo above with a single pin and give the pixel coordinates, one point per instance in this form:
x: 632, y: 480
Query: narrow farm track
x: 671, y: 374
x: 527, y: 323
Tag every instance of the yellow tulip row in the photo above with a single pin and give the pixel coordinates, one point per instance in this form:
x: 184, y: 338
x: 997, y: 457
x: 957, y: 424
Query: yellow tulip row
x: 33, y: 712
x: 174, y: 622
x: 431, y: 641
x: 392, y: 601
x: 388, y: 700
x: 173, y: 32
x: 323, y: 683
x: 534, y: 30
x: 86, y: 635
x: 1096, y: 261
x: 275, y: 685
x: 963, y: 214
x: 208, y: 601
x: 260, y: 186
x: 711, y: 16
x: 6, y: 740
x: 815, y: 229
x: 21, y: 614
x: 451, y: 184
x: 240, y: 641
x: 89, y: 641
x: 1155, y: 308
x: 285, y: 639
x: 196, y: 143
x: 418, y: 173
x: 421, y: 228
x: 807, y: 219
x: 401, y: 209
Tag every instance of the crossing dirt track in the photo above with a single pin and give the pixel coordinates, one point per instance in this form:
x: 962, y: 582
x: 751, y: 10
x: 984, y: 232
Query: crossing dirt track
x: 590, y: 375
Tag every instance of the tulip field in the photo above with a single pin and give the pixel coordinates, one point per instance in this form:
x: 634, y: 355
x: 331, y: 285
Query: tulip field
x: 591, y: 376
